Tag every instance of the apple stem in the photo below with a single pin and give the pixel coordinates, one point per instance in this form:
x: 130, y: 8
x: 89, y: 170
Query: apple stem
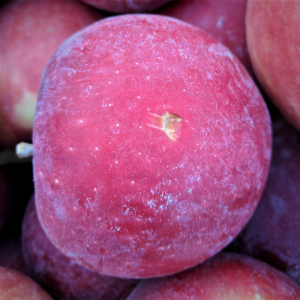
x: 24, y: 150
x: 167, y: 124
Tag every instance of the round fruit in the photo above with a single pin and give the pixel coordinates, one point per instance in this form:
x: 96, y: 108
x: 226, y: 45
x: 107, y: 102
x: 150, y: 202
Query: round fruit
x: 151, y: 146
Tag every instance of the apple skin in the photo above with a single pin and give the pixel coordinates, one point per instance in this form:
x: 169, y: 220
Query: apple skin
x: 224, y: 20
x: 127, y: 6
x: 11, y: 256
x: 59, y: 275
x: 225, y: 276
x: 116, y: 194
x: 272, y: 234
x: 31, y: 32
x: 274, y: 51
x: 15, y: 286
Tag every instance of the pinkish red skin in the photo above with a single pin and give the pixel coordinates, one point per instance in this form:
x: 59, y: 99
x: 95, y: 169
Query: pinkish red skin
x: 63, y: 278
x: 225, y: 276
x: 273, y: 233
x: 15, y: 286
x: 30, y: 33
x: 119, y: 196
x: 127, y: 6
x: 224, y: 20
x: 274, y: 52
x: 11, y: 256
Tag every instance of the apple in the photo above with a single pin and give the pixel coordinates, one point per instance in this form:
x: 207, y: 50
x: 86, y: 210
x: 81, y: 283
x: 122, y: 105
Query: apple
x: 11, y: 256
x: 151, y: 146
x: 31, y: 31
x: 224, y: 20
x: 16, y: 188
x: 58, y: 274
x: 225, y: 276
x: 127, y: 6
x: 272, y: 29
x: 15, y: 286
x: 273, y: 233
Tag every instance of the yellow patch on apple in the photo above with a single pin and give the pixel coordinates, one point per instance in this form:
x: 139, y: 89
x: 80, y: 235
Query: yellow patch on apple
x: 25, y: 109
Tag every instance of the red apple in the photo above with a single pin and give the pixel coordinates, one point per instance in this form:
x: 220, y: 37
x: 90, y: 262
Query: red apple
x: 31, y: 31
x: 224, y: 20
x: 15, y: 286
x: 151, y: 146
x: 11, y: 256
x: 127, y: 6
x: 226, y: 276
x: 272, y: 29
x: 60, y: 276
x: 273, y: 233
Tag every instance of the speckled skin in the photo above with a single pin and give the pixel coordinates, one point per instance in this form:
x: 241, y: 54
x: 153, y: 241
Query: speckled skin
x: 273, y: 233
x: 17, y: 286
x: 273, y: 39
x: 127, y: 6
x: 30, y: 33
x: 222, y: 19
x: 225, y: 276
x: 11, y: 256
x: 118, y: 195
x: 59, y: 275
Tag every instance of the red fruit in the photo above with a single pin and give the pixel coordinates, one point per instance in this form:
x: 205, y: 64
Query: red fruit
x: 273, y: 233
x: 63, y: 278
x: 226, y: 276
x: 11, y: 256
x: 224, y: 20
x: 31, y: 31
x: 151, y: 146
x: 273, y: 39
x: 15, y: 286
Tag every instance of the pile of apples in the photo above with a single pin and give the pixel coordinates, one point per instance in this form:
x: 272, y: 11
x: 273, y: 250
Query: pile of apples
x: 165, y: 149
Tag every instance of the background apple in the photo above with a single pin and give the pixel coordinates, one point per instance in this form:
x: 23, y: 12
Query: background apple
x: 59, y: 275
x: 126, y: 6
x: 272, y: 29
x: 15, y: 286
x: 31, y: 31
x: 225, y: 276
x: 150, y: 152
x: 11, y: 256
x: 273, y: 233
x: 224, y: 20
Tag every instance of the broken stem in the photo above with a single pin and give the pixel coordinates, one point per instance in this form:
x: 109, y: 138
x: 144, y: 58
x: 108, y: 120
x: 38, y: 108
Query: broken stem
x: 24, y: 150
